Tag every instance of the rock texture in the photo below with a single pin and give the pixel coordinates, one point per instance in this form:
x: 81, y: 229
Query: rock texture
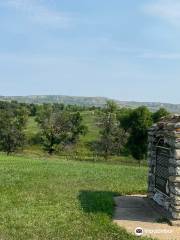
x: 168, y: 132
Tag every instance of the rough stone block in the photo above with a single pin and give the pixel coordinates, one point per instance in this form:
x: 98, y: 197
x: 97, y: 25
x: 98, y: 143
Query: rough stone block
x: 175, y: 208
x: 177, y: 154
x: 174, y: 179
x: 172, y: 161
x: 175, y: 189
x: 175, y: 200
x: 177, y: 125
x: 170, y: 126
x: 176, y: 215
x: 174, y: 171
x: 177, y: 145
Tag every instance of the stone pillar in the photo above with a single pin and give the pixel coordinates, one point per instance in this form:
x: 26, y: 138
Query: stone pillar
x: 164, y: 164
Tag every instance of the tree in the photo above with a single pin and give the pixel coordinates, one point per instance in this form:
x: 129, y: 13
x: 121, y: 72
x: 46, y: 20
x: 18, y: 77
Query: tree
x: 137, y: 123
x: 106, y: 143
x: 32, y: 109
x: 109, y: 130
x: 111, y: 107
x: 124, y: 118
x: 141, y: 120
x: 162, y: 112
x: 59, y: 128
x: 54, y: 127
x: 77, y: 128
x: 58, y: 107
x: 12, y: 125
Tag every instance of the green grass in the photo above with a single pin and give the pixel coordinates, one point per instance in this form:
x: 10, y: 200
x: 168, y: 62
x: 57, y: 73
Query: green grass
x: 56, y: 199
x: 32, y: 128
x: 83, y: 146
x: 90, y: 120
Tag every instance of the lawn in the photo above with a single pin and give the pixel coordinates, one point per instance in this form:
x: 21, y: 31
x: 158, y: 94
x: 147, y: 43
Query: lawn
x: 58, y: 199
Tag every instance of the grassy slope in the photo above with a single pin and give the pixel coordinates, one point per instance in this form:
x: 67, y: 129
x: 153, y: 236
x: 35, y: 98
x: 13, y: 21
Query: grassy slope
x: 90, y: 120
x: 56, y: 199
x: 32, y: 128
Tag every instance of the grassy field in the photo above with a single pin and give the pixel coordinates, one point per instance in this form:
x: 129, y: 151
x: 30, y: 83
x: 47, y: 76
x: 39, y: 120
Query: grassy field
x: 89, y: 119
x: 82, y: 148
x: 55, y: 199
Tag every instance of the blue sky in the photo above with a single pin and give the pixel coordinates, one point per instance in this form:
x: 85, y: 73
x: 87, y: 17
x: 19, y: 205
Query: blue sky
x: 128, y: 50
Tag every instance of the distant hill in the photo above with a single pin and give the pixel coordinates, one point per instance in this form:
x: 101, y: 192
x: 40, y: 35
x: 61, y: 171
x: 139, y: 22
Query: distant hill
x: 38, y: 99
x: 89, y: 101
x: 153, y: 106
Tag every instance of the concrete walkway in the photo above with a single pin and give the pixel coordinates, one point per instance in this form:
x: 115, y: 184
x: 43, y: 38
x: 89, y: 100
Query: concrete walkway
x: 138, y: 212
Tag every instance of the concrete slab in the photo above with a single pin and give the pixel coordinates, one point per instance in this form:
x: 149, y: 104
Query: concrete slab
x: 137, y: 211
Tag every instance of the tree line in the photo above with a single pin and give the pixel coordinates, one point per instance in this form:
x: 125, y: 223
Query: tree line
x: 125, y: 130
x: 121, y: 130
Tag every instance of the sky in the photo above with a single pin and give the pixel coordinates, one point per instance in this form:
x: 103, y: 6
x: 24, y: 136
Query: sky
x: 126, y: 50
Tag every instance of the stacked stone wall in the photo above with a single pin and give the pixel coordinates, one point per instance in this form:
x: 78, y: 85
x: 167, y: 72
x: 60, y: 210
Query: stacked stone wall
x: 168, y: 130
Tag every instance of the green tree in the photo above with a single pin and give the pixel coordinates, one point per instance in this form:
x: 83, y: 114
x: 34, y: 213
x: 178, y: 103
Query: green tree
x: 111, y: 134
x: 141, y: 121
x: 59, y: 128
x: 12, y: 125
x: 124, y: 118
x: 77, y: 127
x: 137, y: 123
x: 32, y: 109
x: 54, y: 127
x: 162, y: 112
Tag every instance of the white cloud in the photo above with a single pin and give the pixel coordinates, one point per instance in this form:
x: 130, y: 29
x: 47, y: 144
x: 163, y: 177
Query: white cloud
x: 38, y: 12
x: 168, y: 10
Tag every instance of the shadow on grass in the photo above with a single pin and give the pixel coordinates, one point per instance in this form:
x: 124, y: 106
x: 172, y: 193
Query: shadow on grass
x: 97, y: 202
